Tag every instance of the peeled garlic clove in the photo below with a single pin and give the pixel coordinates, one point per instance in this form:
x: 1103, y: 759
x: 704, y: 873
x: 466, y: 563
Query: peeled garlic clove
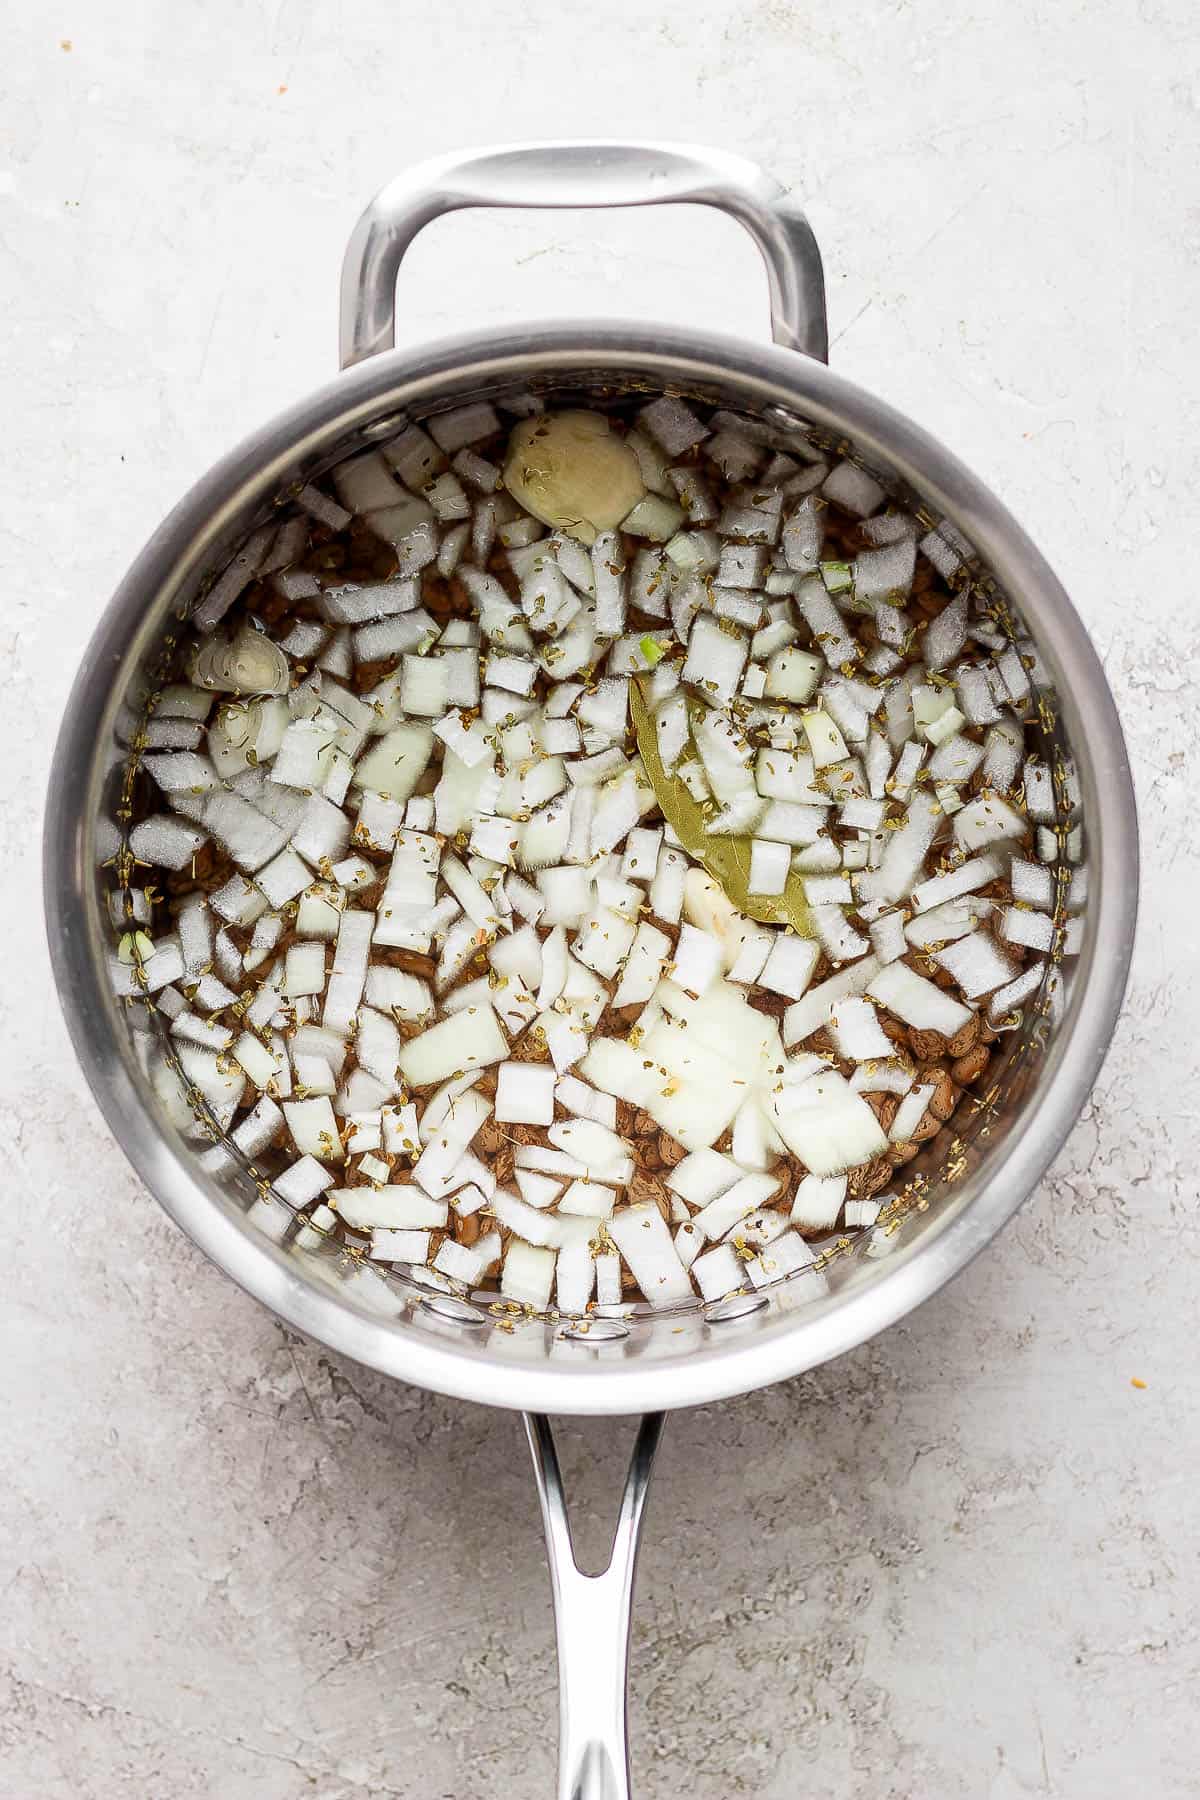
x: 572, y: 471
x: 251, y: 664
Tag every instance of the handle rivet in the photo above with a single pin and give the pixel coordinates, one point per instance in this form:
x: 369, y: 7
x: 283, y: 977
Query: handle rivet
x: 595, y: 1331
x: 738, y: 1306
x: 386, y: 427
x: 449, y: 1308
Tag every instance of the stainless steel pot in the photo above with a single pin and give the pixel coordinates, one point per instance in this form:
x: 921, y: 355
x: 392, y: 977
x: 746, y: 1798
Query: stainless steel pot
x: 631, y: 1363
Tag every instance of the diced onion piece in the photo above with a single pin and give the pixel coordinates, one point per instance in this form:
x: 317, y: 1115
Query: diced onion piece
x: 587, y: 1199
x: 770, y: 864
x: 881, y: 1077
x: 551, y: 1162
x: 905, y: 851
x: 388, y: 1208
x: 702, y: 1176
x: 828, y: 1126
x: 918, y: 1002
x: 793, y: 674
x: 618, y: 808
x: 786, y: 1255
x: 515, y: 674
x: 787, y: 775
x: 800, y: 540
x: 666, y: 890
x: 653, y: 517
x: 828, y: 890
x: 314, y: 1128
x: 975, y: 697
x: 644, y: 1241
x: 608, y: 579
x: 977, y: 964
x: 377, y: 1045
x: 852, y: 489
x: 527, y: 1274
x: 935, y: 715
x: 1033, y: 930
x: 586, y: 1102
x: 465, y: 1040
x: 748, y: 1192
x: 856, y: 1032
x: 825, y: 742
x: 885, y: 575
x: 671, y: 730
x: 166, y: 841
x: 650, y: 949
x: 303, y: 1181
x: 574, y: 1277
x: 566, y: 1037
x: 1010, y: 999
x: 952, y: 919
x: 1003, y: 745
x: 313, y: 1073
x: 304, y: 971
x: 459, y: 1263
x: 537, y: 1190
x: 910, y: 1112
x: 811, y: 1012
x: 715, y: 659
x: 944, y: 549
x: 251, y: 664
x: 525, y: 1093
x: 756, y: 1143
x: 395, y: 764
x: 968, y: 878
x: 839, y: 939
x: 718, y: 1272
x: 437, y: 1167
x: 887, y: 934
x: 987, y: 820
x: 672, y: 424
x: 600, y: 1151
x: 348, y: 975
x: 818, y: 1201
x: 698, y: 959
x: 946, y: 635
x: 707, y: 906
x: 694, y: 552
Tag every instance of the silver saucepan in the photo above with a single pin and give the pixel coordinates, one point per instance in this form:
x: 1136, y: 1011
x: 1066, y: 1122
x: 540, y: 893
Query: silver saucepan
x: 636, y: 1362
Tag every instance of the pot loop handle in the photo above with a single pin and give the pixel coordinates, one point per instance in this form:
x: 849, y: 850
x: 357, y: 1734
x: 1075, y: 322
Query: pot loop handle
x: 591, y: 1621
x: 600, y: 173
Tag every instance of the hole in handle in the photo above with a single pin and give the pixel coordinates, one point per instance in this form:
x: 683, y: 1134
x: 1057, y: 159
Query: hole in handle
x: 688, y: 266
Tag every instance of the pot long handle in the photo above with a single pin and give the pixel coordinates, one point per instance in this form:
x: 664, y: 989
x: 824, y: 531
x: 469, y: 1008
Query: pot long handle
x: 582, y: 174
x: 591, y: 1617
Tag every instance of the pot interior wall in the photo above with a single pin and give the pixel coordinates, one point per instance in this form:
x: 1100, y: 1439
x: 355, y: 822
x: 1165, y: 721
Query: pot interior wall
x: 927, y: 1192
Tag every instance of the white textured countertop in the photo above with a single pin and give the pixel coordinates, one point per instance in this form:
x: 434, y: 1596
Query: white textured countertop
x: 960, y: 1563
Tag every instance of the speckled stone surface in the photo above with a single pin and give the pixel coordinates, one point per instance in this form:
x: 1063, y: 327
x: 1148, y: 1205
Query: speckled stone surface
x: 960, y: 1563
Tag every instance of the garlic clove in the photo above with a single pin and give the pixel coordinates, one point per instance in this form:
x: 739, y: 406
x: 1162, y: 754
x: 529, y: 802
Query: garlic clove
x: 571, y: 470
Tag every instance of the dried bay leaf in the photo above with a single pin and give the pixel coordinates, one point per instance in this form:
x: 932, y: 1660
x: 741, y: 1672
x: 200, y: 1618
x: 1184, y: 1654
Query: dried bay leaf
x: 727, y: 859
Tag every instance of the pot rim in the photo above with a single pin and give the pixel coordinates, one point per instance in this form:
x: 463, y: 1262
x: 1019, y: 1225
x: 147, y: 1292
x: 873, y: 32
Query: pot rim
x: 409, y: 379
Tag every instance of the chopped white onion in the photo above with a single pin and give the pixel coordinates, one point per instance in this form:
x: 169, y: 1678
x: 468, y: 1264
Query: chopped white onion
x: 820, y: 734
